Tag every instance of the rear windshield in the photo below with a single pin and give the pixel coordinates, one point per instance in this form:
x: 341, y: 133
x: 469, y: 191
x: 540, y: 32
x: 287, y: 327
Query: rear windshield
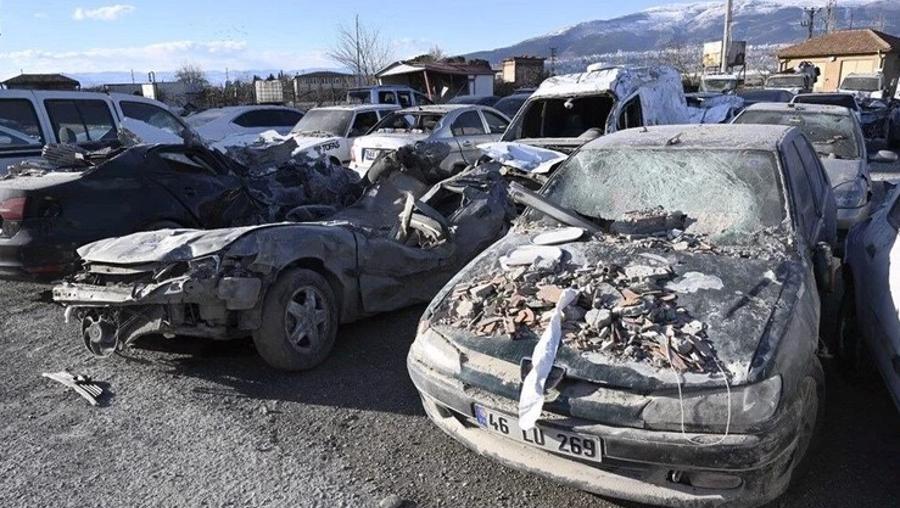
x: 726, y: 194
x: 831, y: 135
x: 205, y: 117
x: 829, y: 100
x: 795, y: 81
x: 861, y: 84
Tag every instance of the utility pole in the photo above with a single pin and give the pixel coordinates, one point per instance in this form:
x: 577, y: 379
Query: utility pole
x: 726, y: 37
x: 809, y: 21
x: 358, y: 68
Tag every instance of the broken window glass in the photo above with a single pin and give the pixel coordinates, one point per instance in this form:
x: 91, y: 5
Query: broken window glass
x: 19, y: 125
x: 831, y: 135
x: 363, y: 122
x: 724, y: 193
x: 562, y: 117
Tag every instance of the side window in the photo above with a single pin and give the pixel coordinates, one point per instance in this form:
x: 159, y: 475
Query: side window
x: 467, y: 124
x: 800, y: 188
x: 423, y: 99
x: 79, y: 121
x: 19, y: 127
x: 405, y: 100
x: 631, y: 114
x: 363, y: 122
x: 818, y: 181
x: 387, y: 98
x: 495, y: 122
x: 290, y: 118
x: 153, y: 115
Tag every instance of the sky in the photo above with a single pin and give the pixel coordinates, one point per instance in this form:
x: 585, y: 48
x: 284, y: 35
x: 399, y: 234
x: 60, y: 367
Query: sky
x: 119, y: 35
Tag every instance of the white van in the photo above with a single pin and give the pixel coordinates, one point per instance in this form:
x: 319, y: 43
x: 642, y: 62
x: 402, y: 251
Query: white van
x: 29, y: 119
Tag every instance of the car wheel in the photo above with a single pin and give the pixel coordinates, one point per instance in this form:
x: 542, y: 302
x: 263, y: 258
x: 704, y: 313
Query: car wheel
x: 811, y: 421
x: 299, y: 321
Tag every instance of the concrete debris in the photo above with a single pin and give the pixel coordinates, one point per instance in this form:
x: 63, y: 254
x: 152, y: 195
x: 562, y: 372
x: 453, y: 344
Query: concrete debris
x: 530, y: 254
x: 629, y: 312
x: 82, y: 385
x: 695, y: 281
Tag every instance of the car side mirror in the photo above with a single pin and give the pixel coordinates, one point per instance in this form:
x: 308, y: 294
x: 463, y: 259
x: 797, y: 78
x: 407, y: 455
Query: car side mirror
x: 884, y: 156
x: 825, y: 267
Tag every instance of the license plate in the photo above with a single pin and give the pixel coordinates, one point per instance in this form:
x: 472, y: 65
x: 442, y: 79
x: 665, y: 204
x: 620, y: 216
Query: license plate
x: 547, y: 438
x: 370, y: 154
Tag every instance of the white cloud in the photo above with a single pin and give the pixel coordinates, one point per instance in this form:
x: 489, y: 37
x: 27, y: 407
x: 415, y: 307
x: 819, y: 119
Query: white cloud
x: 105, y: 13
x: 160, y: 57
x: 40, y: 15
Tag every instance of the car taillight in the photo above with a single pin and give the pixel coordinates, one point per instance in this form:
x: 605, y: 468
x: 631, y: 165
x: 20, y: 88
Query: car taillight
x: 12, y: 209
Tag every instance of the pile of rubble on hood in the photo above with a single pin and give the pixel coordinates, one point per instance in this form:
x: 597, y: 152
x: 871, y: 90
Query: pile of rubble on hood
x: 625, y: 312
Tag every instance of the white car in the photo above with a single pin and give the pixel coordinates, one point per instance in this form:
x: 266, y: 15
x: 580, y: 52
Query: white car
x: 236, y: 125
x: 871, y: 307
x: 459, y: 127
x: 332, y: 129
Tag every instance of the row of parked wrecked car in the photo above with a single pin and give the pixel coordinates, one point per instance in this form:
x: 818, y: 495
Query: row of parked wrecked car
x: 619, y: 300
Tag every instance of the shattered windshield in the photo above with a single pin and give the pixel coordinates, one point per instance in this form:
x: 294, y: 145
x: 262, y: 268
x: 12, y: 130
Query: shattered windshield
x: 831, y: 135
x: 561, y: 117
x: 795, y: 81
x: 408, y: 122
x: 328, y: 122
x: 204, y: 117
x: 725, y: 194
x: 870, y: 84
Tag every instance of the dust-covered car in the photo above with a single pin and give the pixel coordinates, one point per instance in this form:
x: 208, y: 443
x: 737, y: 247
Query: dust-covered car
x: 870, y: 324
x: 290, y: 284
x: 460, y: 127
x: 648, y: 329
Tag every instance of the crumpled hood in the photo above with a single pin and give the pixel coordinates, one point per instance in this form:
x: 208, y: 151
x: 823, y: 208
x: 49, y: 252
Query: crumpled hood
x: 843, y: 170
x: 736, y: 315
x: 390, y: 141
x: 163, y: 246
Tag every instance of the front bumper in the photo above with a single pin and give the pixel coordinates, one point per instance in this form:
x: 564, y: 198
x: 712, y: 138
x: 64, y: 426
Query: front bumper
x: 638, y: 465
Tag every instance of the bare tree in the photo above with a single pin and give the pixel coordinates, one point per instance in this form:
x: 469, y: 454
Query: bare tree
x: 362, y: 49
x: 192, y: 75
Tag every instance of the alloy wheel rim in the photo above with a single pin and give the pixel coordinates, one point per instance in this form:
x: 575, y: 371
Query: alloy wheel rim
x: 305, y: 319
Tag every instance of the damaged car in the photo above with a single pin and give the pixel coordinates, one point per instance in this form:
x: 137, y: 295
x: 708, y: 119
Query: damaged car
x: 648, y: 329
x: 461, y: 127
x: 51, y: 206
x: 290, y: 285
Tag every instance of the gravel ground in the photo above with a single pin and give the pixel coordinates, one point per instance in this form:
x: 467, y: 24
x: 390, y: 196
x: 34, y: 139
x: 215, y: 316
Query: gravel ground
x: 198, y: 423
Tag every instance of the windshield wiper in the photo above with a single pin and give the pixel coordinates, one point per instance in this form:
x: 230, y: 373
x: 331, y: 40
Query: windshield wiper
x: 525, y: 197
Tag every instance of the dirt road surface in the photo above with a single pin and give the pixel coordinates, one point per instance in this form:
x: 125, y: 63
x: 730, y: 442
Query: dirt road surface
x: 198, y: 423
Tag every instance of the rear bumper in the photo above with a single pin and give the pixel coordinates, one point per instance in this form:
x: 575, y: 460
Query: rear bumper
x: 30, y: 254
x: 637, y: 465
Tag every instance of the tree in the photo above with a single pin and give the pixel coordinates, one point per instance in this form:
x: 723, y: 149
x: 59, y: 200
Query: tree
x: 192, y: 75
x: 362, y: 49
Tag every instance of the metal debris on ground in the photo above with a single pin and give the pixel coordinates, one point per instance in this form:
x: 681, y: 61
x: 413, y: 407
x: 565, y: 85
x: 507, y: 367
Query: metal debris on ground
x: 82, y: 385
x: 629, y: 312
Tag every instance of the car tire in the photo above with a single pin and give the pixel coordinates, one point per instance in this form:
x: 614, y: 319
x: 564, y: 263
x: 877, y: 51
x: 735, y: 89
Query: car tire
x: 812, y: 420
x: 299, y: 321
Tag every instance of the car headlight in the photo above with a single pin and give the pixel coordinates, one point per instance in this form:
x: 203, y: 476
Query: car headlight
x: 435, y: 351
x: 707, y: 409
x: 852, y: 194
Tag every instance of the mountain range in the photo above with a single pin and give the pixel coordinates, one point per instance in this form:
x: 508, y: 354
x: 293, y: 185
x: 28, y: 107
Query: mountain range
x: 759, y: 22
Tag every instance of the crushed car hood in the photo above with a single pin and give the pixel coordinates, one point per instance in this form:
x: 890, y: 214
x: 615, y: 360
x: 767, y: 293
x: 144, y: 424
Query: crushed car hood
x: 736, y: 316
x: 842, y: 170
x: 163, y: 246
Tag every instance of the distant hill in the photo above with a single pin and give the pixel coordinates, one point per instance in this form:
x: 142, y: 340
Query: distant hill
x: 759, y: 22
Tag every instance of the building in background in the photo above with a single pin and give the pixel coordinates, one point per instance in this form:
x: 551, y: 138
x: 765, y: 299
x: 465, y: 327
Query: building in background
x: 268, y: 91
x: 322, y: 86
x: 523, y: 70
x: 42, y: 82
x: 442, y: 80
x: 840, y: 53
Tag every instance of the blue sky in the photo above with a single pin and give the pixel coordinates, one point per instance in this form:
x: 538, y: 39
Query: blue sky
x: 118, y: 35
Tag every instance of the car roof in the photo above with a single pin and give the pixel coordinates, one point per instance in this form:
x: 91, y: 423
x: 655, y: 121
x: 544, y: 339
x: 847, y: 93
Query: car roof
x: 707, y: 136
x: 439, y: 108
x: 826, y: 94
x: 800, y: 108
x: 250, y: 107
x: 358, y: 107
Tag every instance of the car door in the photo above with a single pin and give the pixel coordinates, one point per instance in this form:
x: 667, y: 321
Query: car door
x: 23, y: 129
x: 200, y: 183
x: 822, y: 193
x: 468, y: 131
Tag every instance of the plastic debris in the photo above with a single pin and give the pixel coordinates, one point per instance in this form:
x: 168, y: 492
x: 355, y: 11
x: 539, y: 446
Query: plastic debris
x: 562, y: 235
x: 82, y: 385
